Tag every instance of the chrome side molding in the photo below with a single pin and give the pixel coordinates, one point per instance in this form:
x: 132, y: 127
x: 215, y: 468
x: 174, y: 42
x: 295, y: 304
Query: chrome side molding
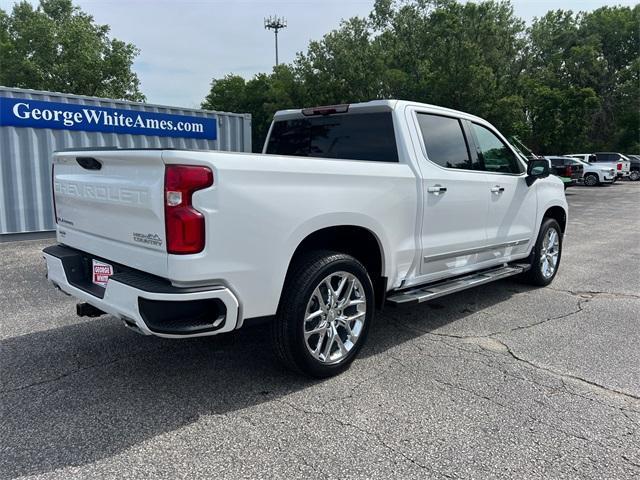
x: 471, y: 251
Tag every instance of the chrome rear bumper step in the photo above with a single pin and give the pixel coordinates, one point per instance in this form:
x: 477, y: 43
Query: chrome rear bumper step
x: 424, y: 293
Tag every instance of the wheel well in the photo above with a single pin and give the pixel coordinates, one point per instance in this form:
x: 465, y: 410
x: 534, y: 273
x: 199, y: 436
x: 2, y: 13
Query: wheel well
x: 559, y: 215
x: 358, y: 242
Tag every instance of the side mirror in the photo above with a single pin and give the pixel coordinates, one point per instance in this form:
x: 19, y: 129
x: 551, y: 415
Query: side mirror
x: 537, y: 169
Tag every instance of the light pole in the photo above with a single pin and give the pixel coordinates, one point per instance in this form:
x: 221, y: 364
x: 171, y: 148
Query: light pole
x: 275, y: 23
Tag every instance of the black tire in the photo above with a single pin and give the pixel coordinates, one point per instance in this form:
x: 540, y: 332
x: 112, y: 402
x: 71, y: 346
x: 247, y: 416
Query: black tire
x: 287, y: 330
x: 535, y: 276
x: 591, y: 180
x: 634, y: 176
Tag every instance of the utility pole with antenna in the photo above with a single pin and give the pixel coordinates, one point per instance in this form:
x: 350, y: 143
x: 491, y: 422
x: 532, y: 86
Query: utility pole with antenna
x: 275, y: 23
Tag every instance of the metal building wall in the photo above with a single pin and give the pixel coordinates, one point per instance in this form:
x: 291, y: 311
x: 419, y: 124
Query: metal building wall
x: 25, y: 153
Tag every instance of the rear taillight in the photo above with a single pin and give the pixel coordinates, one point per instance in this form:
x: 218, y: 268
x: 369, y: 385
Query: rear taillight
x: 184, y: 224
x: 619, y: 166
x: 53, y: 192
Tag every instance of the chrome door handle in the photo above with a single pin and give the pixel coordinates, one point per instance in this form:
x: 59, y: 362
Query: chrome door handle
x: 497, y: 189
x: 437, y: 189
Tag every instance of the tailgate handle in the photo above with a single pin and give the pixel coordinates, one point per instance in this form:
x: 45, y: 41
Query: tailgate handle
x: 89, y: 163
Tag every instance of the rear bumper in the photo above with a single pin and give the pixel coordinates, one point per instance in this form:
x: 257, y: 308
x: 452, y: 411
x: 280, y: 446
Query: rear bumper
x: 147, y: 303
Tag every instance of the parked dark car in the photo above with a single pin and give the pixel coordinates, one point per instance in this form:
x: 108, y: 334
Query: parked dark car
x: 567, y: 169
x: 635, y: 167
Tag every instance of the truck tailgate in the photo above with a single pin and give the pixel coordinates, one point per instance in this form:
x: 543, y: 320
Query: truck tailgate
x: 111, y: 203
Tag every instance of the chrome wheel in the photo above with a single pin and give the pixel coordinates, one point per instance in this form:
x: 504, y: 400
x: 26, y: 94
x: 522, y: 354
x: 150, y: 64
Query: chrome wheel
x: 334, y: 318
x: 549, y: 252
x: 590, y: 180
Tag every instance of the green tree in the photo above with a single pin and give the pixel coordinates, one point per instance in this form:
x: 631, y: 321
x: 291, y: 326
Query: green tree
x: 616, y: 32
x: 569, y: 82
x: 58, y: 47
x: 261, y: 96
x: 561, y: 70
x: 581, y: 80
x: 464, y: 56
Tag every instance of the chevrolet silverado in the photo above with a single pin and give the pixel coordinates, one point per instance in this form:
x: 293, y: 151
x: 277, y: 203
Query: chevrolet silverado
x: 349, y: 207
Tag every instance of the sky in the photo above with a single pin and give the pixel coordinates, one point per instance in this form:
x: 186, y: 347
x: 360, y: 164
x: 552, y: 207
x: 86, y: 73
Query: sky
x: 185, y: 43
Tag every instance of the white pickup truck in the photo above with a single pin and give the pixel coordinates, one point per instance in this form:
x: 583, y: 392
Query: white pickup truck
x: 606, y: 160
x: 349, y: 207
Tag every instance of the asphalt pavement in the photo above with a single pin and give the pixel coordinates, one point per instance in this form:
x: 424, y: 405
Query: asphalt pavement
x: 503, y: 381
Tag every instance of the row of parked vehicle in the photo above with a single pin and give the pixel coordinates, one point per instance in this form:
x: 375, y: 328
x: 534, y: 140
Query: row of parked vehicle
x: 593, y: 169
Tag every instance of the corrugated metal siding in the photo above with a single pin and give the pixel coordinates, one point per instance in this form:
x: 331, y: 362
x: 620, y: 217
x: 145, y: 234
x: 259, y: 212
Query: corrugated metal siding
x: 25, y: 153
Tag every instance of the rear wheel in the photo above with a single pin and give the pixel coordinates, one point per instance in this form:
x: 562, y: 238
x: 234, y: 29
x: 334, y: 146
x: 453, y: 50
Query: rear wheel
x: 634, y: 175
x: 324, y: 314
x: 545, y: 257
x: 591, y: 180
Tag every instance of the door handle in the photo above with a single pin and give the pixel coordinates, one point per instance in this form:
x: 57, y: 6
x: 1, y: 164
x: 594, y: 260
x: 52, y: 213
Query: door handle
x: 497, y: 189
x: 437, y: 189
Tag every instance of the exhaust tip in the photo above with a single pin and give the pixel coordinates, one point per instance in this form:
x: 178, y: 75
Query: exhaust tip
x: 130, y: 324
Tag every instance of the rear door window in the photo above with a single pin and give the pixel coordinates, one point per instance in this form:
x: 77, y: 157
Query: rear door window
x: 444, y: 141
x: 355, y: 136
x: 606, y: 157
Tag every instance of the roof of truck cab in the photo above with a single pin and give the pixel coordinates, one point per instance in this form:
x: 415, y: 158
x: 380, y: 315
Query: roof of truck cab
x: 382, y: 105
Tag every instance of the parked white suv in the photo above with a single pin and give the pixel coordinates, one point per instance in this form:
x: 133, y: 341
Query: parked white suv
x: 349, y: 206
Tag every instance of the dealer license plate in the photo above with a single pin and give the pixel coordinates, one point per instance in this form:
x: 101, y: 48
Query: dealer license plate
x: 101, y: 272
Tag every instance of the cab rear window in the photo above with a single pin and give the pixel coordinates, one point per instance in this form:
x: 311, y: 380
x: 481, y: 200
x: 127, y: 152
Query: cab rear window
x: 354, y: 136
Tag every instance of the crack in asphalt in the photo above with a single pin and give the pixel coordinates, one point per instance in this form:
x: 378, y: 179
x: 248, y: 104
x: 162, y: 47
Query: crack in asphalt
x: 579, y: 308
x: 58, y: 377
x: 494, y: 401
x: 626, y: 412
x: 629, y: 461
x: 317, y: 469
x: 592, y: 293
x: 585, y: 297
x: 69, y: 373
x: 576, y: 378
x: 364, y: 431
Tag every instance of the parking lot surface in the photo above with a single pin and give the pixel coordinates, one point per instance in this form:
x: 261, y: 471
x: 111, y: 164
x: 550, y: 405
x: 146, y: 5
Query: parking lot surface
x: 503, y: 381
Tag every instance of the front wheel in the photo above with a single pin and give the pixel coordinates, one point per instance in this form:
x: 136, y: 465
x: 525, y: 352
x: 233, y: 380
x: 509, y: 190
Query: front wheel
x: 634, y: 175
x: 545, y: 257
x: 324, y: 314
x: 591, y: 180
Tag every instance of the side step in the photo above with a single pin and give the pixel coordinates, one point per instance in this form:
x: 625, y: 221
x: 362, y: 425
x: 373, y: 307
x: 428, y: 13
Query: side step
x: 430, y: 291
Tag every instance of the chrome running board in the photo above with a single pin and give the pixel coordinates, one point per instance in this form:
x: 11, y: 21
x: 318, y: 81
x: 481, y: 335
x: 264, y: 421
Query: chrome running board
x: 430, y: 291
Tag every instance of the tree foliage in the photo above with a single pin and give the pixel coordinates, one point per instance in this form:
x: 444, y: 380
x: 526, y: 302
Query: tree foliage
x: 568, y: 82
x: 58, y: 47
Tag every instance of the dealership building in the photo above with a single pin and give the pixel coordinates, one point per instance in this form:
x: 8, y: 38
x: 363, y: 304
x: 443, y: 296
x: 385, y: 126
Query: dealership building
x: 34, y: 124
